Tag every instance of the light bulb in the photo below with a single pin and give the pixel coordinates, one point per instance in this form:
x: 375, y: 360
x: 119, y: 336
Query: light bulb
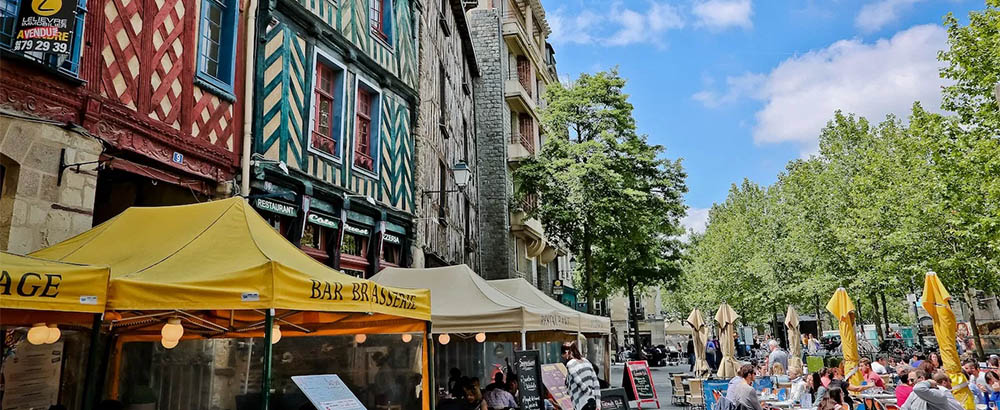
x: 444, y: 338
x: 173, y: 329
x: 169, y: 344
x: 38, y: 334
x: 275, y: 333
x: 360, y: 338
x: 480, y: 337
x: 54, y: 334
x: 407, y: 337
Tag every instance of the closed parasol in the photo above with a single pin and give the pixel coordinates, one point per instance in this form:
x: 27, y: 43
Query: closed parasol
x: 699, y: 334
x: 726, y: 317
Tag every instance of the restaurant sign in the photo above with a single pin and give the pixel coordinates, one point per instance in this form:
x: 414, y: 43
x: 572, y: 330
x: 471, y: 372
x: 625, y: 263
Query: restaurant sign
x: 45, y: 26
x: 321, y: 220
x: 357, y: 231
x: 391, y: 239
x: 276, y: 207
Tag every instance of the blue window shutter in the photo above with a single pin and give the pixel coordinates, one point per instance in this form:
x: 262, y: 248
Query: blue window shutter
x: 223, y: 82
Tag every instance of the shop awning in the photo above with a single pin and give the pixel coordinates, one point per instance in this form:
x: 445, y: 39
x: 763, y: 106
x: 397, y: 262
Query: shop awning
x: 33, y: 284
x: 221, y: 255
x: 522, y: 290
x: 465, y: 303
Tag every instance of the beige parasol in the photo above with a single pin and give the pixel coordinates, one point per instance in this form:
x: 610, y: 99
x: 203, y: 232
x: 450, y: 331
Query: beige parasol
x: 794, y: 339
x: 700, y: 335
x: 727, y: 327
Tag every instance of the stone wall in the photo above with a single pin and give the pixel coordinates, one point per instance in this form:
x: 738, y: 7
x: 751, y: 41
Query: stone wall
x: 493, y: 131
x: 35, y: 211
x: 445, y: 136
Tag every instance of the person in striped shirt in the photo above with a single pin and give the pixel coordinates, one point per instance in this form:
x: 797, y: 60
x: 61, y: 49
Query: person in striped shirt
x: 584, y: 387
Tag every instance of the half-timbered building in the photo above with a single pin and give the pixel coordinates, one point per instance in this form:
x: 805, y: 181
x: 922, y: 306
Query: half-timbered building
x: 335, y: 101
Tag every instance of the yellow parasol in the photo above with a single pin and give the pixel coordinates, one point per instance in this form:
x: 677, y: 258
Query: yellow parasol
x: 843, y: 309
x: 727, y: 323
x: 794, y: 339
x: 936, y: 301
x: 700, y: 337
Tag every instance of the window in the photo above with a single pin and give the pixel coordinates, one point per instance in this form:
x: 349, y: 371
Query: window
x: 217, y: 45
x: 524, y: 73
x: 280, y: 223
x: 69, y: 64
x: 442, y: 187
x: 354, y: 251
x: 366, y: 142
x: 465, y: 146
x: 315, y: 240
x: 391, y: 253
x: 443, y: 99
x: 443, y: 18
x: 380, y: 14
x: 468, y: 226
x: 327, y: 108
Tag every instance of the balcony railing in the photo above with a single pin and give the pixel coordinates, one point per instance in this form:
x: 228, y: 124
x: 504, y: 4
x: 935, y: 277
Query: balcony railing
x: 524, y: 140
x: 529, y: 203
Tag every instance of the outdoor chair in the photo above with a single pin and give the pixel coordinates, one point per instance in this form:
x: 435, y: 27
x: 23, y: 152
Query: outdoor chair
x: 679, y: 396
x: 891, y: 407
x: 697, y: 399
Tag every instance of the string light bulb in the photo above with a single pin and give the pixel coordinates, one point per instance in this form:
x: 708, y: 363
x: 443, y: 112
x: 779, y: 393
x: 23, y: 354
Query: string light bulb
x: 54, y: 334
x: 360, y: 338
x: 275, y: 333
x: 407, y: 337
x: 444, y: 338
x: 480, y: 337
x: 172, y: 330
x: 38, y: 334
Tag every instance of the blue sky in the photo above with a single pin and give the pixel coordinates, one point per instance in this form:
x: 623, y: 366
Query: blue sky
x: 737, y: 88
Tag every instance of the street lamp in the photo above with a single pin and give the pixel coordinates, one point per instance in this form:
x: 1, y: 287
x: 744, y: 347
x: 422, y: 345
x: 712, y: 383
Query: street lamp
x: 462, y: 175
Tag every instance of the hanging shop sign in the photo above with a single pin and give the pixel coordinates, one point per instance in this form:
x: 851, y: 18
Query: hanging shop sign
x: 390, y: 238
x: 356, y: 230
x: 557, y: 287
x: 276, y: 207
x: 322, y: 220
x: 45, y: 26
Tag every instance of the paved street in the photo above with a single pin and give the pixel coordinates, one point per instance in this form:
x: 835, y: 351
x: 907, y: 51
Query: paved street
x: 661, y: 381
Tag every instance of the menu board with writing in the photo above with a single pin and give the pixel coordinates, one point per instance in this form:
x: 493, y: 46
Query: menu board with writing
x: 529, y: 376
x: 614, y: 399
x: 328, y: 392
x: 554, y: 378
x: 638, y: 383
x: 32, y: 376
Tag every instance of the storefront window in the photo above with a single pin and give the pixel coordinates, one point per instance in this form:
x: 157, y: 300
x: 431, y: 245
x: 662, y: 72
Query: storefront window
x: 280, y: 223
x: 355, y: 245
x: 391, y: 253
x: 383, y: 372
x: 354, y: 251
x: 315, y: 241
x: 39, y: 376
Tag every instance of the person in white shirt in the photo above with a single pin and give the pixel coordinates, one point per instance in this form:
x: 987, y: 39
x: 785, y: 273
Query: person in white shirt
x: 879, y: 366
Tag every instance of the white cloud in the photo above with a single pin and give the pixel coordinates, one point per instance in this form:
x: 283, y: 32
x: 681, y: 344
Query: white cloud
x: 874, y: 16
x: 696, y: 220
x: 868, y: 79
x: 721, y: 14
x: 617, y: 26
x: 745, y: 85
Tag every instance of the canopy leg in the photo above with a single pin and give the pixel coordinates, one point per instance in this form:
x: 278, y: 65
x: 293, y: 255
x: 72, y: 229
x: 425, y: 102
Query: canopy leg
x: 265, y: 392
x: 524, y: 340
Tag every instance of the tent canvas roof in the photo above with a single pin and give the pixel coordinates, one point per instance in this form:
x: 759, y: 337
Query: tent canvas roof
x: 38, y: 284
x: 676, y: 328
x: 465, y: 303
x: 221, y: 255
x: 521, y: 289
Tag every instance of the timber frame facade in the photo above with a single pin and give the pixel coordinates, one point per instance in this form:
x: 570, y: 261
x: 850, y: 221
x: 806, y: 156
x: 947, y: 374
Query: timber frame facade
x: 335, y: 101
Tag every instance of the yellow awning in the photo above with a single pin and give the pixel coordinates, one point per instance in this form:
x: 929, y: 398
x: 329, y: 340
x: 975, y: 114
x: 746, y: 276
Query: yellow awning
x: 221, y: 255
x: 38, y: 284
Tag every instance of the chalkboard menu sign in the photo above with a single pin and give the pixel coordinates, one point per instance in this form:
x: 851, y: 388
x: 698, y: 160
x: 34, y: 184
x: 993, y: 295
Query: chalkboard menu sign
x: 614, y: 399
x: 638, y: 383
x: 529, y: 380
x: 554, y: 378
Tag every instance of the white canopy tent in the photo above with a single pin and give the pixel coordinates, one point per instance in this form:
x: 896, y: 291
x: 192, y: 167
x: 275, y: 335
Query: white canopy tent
x: 462, y: 302
x: 522, y: 290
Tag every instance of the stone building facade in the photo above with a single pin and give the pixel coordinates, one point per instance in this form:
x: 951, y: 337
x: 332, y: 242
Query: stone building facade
x: 447, y: 227
x: 517, y: 65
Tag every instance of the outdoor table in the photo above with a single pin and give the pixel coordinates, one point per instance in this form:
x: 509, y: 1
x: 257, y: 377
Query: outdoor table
x: 785, y: 404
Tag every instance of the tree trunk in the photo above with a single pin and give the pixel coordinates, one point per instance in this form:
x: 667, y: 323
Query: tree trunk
x: 819, y: 319
x: 878, y: 320
x: 777, y: 327
x: 588, y: 270
x: 970, y: 300
x: 633, y: 315
x: 885, y: 316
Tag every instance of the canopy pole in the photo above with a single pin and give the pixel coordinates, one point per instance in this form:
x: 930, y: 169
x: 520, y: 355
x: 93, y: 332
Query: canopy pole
x: 265, y: 393
x: 90, y: 383
x: 524, y: 340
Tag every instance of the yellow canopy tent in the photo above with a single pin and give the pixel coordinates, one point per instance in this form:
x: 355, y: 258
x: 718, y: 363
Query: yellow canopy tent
x: 842, y: 308
x: 225, y: 272
x: 937, y: 302
x: 34, y: 290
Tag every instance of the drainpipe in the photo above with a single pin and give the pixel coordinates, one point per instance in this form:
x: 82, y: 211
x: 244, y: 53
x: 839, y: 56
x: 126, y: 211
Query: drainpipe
x: 251, y: 69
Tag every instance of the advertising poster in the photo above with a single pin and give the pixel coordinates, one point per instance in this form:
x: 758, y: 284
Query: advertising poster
x: 45, y: 26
